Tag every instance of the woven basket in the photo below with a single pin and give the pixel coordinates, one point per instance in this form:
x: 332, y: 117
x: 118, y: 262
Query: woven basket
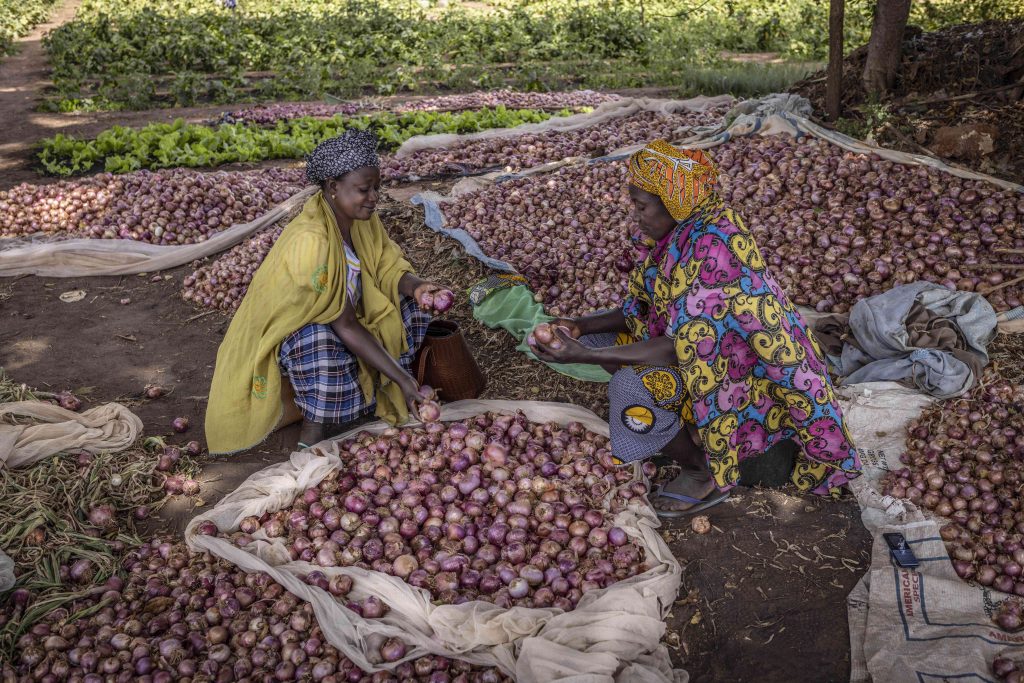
x: 445, y: 363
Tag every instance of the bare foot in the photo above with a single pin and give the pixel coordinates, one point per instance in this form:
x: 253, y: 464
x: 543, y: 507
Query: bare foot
x: 694, y: 485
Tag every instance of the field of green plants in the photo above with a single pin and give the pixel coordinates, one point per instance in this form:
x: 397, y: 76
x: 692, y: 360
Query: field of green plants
x: 18, y: 17
x: 179, y: 144
x: 138, y: 54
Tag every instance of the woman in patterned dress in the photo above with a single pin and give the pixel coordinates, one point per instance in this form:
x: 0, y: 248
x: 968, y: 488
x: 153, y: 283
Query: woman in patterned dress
x: 712, y: 364
x: 335, y: 308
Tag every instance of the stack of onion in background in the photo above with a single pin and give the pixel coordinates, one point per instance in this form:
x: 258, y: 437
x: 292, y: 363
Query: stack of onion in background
x: 525, y: 151
x: 833, y: 226
x: 510, y: 99
x: 176, y: 206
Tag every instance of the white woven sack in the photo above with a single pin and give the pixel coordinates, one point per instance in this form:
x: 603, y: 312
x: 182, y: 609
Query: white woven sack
x: 612, y: 635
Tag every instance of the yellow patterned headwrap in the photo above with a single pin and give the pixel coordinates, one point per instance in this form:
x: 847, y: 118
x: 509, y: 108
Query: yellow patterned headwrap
x: 683, y: 178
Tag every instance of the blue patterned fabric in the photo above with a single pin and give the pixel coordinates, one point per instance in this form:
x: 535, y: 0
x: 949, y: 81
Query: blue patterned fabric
x: 325, y: 374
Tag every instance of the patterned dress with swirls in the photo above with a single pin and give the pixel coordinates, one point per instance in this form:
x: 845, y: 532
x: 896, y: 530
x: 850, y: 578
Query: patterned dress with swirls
x: 752, y: 370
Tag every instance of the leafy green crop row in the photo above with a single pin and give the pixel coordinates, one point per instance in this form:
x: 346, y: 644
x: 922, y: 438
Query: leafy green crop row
x: 180, y: 144
x: 18, y: 17
x: 134, y: 53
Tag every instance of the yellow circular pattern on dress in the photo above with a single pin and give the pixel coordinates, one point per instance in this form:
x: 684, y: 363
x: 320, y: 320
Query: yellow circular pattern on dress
x: 745, y: 248
x: 777, y: 347
x: 662, y: 385
x: 638, y: 419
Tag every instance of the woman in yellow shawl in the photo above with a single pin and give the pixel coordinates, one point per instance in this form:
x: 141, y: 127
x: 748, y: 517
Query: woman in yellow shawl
x: 713, y: 365
x: 335, y: 308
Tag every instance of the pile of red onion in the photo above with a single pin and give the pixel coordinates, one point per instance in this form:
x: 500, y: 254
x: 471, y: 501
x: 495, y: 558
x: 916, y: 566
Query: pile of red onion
x: 965, y: 462
x: 532, y: 149
x: 511, y: 99
x: 566, y: 232
x: 833, y: 226
x: 266, y: 114
x: 176, y: 206
x: 223, y: 282
x: 175, y: 483
x: 836, y: 226
x: 1008, y: 670
x: 183, y: 616
x: 493, y: 508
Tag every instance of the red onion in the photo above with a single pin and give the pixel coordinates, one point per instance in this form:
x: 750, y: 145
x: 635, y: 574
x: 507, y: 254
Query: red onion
x: 443, y: 300
x: 153, y: 391
x: 1008, y: 616
x: 1003, y: 667
x: 102, y: 516
x: 340, y: 585
x: 392, y: 650
x: 429, y: 411
x: 373, y: 608
x: 68, y: 401
x: 82, y: 571
x: 207, y: 528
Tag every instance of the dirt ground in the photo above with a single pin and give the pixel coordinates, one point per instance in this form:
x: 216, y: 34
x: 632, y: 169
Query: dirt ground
x: 956, y: 88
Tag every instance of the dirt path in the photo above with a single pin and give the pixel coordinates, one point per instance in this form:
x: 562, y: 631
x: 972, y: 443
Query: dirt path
x: 23, y: 76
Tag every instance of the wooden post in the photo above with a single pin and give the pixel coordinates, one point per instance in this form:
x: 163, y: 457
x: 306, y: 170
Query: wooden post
x: 834, y: 82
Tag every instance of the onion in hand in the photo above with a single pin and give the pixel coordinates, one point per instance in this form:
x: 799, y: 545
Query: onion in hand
x: 443, y: 300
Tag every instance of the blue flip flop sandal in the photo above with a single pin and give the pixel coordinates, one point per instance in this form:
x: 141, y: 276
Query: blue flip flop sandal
x: 697, y: 504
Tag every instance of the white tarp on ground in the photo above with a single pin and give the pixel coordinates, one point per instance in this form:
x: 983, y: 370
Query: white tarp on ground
x: 35, y: 430
x: 612, y: 635
x: 911, y: 625
x: 605, y: 112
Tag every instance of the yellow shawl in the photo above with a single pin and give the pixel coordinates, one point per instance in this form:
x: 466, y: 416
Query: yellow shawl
x: 302, y: 281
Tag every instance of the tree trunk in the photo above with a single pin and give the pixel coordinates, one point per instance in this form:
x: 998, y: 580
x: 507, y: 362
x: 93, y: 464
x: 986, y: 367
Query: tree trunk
x: 885, y: 45
x: 834, y: 84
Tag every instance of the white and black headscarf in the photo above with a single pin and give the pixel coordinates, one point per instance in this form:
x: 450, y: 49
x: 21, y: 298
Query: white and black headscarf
x: 337, y: 156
